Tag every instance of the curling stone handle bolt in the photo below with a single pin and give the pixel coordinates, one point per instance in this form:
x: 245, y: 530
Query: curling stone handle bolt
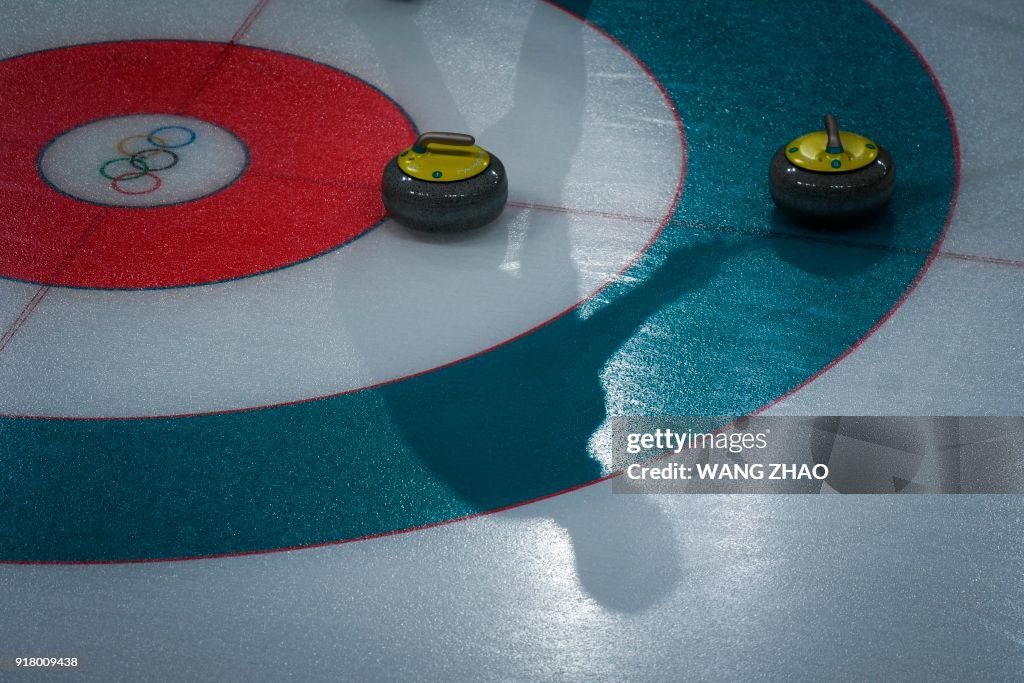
x: 444, y: 138
x: 835, y: 143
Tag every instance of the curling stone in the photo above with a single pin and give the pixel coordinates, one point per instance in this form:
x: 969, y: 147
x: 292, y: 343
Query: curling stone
x: 832, y: 176
x: 445, y: 183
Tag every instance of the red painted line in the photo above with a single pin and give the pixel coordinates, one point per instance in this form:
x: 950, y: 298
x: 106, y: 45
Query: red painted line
x: 25, y: 314
x: 204, y: 80
x: 975, y: 258
x: 248, y: 21
x: 224, y: 54
x: 585, y: 212
x: 44, y: 290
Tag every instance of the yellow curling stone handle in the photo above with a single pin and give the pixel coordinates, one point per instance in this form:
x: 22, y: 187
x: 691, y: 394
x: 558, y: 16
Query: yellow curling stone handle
x: 439, y: 157
x: 831, y: 150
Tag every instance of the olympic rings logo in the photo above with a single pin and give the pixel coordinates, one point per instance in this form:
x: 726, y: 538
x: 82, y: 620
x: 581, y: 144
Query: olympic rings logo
x: 145, y: 155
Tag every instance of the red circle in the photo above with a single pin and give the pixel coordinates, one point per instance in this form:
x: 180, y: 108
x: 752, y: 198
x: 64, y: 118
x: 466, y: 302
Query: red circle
x: 318, y: 140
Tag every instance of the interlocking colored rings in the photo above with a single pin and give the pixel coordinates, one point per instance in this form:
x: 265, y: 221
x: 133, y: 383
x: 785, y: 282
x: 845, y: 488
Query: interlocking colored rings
x: 139, y: 164
x: 145, y: 160
x: 155, y: 155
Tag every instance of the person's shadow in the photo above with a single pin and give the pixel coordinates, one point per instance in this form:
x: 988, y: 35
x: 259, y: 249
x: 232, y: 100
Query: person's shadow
x: 525, y: 431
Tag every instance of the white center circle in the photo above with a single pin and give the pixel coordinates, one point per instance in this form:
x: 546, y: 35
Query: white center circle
x: 143, y: 160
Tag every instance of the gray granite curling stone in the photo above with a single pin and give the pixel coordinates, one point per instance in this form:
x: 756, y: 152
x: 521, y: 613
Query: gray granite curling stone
x: 454, y: 206
x: 834, y: 197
